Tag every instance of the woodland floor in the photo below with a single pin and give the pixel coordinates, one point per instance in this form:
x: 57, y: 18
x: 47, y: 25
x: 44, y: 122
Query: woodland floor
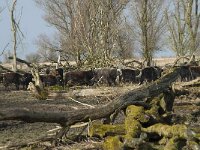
x: 186, y: 110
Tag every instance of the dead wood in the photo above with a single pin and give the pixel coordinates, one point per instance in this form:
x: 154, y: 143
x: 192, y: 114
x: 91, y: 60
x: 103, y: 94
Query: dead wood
x: 179, y: 58
x: 6, y: 69
x: 180, y: 85
x: 130, y: 64
x: 21, y: 61
x: 67, y: 118
x: 182, y: 88
x: 37, y: 89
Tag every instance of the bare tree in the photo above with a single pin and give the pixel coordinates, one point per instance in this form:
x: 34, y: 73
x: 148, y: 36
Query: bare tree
x: 183, y: 27
x: 88, y: 29
x: 33, y: 58
x: 47, y: 48
x: 149, y: 26
x: 192, y: 19
x: 15, y: 31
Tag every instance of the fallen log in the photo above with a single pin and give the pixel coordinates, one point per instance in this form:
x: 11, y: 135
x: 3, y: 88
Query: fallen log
x: 22, y: 61
x: 68, y: 118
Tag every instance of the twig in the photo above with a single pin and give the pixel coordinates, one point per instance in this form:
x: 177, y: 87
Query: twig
x: 81, y: 103
x: 4, y: 49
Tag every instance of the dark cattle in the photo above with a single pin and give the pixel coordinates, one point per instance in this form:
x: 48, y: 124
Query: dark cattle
x: 188, y: 72
x: 149, y: 74
x: 54, y: 77
x: 195, y: 71
x: 106, y: 75
x: 128, y: 75
x: 79, y: 78
x: 59, y: 76
x: 49, y: 80
x: 185, y: 73
x: 1, y: 78
x: 26, y: 79
x: 12, y: 78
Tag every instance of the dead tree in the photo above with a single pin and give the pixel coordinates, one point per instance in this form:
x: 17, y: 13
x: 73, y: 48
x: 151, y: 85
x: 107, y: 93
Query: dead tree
x: 37, y: 88
x: 15, y: 30
x: 68, y: 118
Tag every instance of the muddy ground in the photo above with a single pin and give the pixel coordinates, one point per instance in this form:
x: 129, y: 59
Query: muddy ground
x: 186, y: 110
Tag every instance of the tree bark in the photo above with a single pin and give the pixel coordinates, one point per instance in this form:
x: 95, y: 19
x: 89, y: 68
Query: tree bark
x: 14, y: 31
x: 67, y: 118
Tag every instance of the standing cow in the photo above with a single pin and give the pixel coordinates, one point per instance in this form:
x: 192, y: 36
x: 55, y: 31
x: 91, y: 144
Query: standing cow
x: 53, y: 77
x: 26, y: 79
x: 12, y: 78
x: 106, y: 75
x: 129, y: 75
x: 189, y: 72
x: 79, y: 78
x: 149, y: 74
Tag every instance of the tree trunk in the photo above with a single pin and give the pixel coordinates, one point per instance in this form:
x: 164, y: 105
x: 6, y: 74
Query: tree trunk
x: 14, y: 31
x: 71, y: 117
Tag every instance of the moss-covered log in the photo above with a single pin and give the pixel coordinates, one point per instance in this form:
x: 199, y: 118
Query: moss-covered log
x: 177, y: 130
x: 102, y: 130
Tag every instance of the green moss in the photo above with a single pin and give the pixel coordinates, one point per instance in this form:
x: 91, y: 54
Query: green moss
x: 178, y: 130
x: 175, y: 143
x: 133, y: 128
x: 112, y: 143
x: 42, y: 94
x: 154, y: 112
x: 135, y: 115
x: 136, y: 112
x: 56, y: 88
x: 101, y: 130
x: 163, y: 141
x: 193, y: 145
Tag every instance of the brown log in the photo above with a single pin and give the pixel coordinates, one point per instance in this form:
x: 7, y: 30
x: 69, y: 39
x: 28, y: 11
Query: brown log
x: 71, y: 117
x: 183, y: 88
x: 21, y: 61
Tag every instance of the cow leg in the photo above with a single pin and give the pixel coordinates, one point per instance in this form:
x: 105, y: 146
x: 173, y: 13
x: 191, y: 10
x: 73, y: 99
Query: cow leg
x: 17, y: 86
x: 141, y: 81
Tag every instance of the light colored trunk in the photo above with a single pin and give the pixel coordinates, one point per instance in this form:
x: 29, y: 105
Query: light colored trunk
x: 14, y: 38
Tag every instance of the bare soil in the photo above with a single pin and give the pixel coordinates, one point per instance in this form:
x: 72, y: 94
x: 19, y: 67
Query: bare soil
x: 186, y: 110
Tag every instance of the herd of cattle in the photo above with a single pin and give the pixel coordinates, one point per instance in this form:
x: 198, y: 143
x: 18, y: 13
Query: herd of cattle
x: 109, y: 76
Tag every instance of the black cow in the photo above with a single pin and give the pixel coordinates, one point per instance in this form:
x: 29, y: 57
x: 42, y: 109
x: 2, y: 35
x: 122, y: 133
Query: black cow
x: 106, y: 75
x: 188, y: 72
x: 185, y: 73
x: 79, y: 78
x: 59, y: 76
x: 1, y: 78
x: 128, y: 75
x: 53, y: 77
x: 149, y: 74
x: 195, y: 71
x: 26, y: 79
x: 12, y: 78
x: 49, y: 80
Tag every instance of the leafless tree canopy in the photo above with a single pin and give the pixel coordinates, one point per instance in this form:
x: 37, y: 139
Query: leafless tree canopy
x: 89, y: 31
x: 183, y: 26
x: 148, y: 26
x: 93, y: 32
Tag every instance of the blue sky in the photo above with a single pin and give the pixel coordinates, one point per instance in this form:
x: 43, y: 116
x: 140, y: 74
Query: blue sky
x: 32, y: 25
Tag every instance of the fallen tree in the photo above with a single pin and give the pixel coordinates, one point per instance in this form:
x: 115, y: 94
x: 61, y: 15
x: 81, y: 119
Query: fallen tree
x: 68, y: 118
